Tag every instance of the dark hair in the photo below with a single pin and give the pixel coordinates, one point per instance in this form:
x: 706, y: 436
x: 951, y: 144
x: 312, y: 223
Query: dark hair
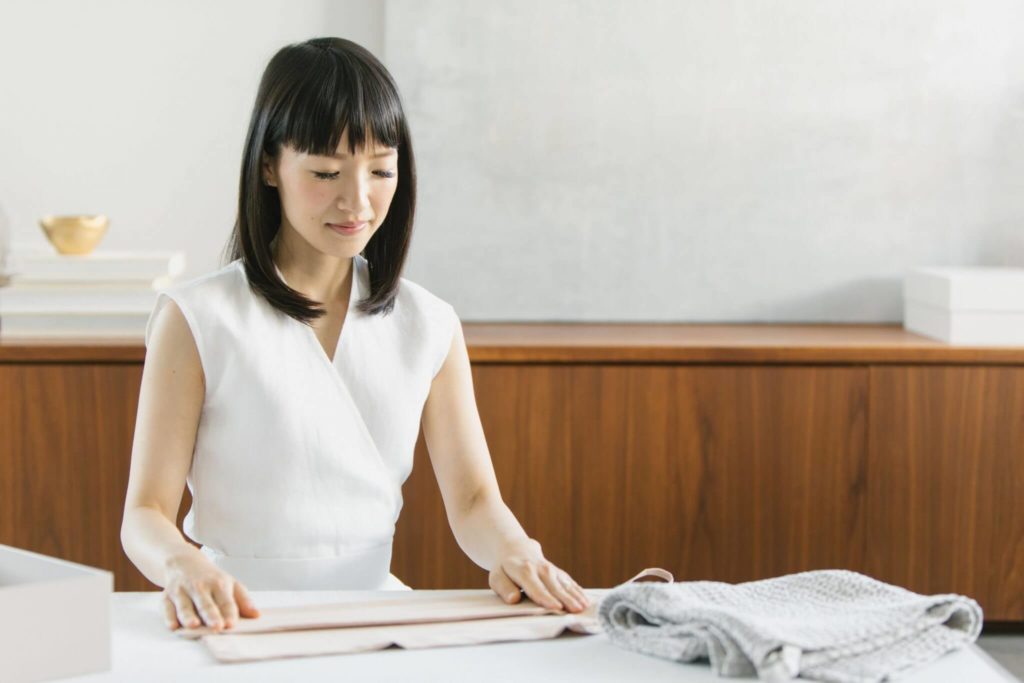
x: 309, y: 94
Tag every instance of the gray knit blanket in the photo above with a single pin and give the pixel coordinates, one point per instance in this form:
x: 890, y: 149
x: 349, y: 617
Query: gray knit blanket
x: 827, y: 625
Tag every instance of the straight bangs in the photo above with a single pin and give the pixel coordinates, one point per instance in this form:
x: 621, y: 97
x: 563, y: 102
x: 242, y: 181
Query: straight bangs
x: 340, y: 95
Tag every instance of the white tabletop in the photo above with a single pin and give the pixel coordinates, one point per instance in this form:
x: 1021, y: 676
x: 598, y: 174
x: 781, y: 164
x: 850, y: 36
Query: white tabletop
x: 144, y: 649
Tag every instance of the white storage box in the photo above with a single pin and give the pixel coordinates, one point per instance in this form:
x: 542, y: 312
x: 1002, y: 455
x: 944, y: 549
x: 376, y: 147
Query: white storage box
x: 981, y: 305
x: 55, y: 617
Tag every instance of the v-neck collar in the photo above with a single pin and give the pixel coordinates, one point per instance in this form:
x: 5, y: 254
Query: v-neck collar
x: 353, y: 296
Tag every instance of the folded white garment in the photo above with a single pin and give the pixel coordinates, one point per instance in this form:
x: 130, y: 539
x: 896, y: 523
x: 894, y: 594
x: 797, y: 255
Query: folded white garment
x: 826, y: 625
x: 407, y: 620
x: 424, y: 624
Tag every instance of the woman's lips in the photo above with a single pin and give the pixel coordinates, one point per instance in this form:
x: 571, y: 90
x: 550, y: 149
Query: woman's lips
x: 347, y: 228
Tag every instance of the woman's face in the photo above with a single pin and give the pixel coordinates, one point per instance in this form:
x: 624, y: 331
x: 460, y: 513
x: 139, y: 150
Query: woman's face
x: 317, y: 191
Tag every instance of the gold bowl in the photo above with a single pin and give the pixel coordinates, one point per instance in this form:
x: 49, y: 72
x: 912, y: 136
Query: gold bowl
x: 74, y: 234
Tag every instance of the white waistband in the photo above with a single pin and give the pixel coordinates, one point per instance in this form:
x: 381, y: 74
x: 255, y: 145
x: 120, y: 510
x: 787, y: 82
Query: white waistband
x: 365, y: 569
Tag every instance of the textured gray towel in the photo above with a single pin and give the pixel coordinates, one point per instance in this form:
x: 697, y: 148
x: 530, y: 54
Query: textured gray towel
x: 827, y: 625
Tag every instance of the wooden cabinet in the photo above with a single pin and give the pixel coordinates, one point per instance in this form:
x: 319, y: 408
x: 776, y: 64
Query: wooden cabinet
x: 946, y: 484
x: 724, y: 473
x: 725, y: 453
x: 65, y: 447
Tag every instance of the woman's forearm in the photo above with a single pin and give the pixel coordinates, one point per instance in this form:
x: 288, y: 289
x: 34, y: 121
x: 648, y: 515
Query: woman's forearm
x: 484, y: 528
x: 152, y: 542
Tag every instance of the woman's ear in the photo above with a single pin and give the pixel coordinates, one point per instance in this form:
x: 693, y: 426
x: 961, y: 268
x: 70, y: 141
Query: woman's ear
x: 267, y: 170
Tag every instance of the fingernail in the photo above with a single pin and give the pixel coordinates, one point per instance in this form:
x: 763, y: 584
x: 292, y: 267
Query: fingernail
x: 510, y: 597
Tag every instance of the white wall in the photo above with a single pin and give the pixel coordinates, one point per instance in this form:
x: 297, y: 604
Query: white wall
x: 709, y: 159
x: 579, y: 160
x: 139, y: 110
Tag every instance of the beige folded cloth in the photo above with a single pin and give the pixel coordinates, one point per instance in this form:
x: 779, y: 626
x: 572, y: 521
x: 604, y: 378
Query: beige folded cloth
x: 332, y: 641
x: 408, y: 622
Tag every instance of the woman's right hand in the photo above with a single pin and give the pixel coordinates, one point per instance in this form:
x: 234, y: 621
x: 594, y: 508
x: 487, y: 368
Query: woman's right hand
x: 198, y: 593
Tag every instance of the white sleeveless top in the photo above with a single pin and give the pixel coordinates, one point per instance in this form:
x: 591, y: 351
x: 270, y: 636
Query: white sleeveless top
x: 299, y: 462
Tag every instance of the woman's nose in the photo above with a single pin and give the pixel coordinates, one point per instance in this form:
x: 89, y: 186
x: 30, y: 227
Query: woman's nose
x: 354, y: 196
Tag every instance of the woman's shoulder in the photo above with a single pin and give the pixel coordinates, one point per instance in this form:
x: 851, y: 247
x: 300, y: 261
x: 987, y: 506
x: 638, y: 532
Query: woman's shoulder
x: 420, y: 296
x: 224, y: 278
x: 428, y: 319
x: 411, y: 298
x: 417, y: 299
x: 202, y: 299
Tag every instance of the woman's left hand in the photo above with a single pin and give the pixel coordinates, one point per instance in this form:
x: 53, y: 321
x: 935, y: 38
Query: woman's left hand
x: 521, y: 564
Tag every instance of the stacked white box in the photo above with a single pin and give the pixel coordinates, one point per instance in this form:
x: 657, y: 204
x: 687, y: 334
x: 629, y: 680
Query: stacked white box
x: 102, y: 294
x: 966, y: 305
x: 56, y: 617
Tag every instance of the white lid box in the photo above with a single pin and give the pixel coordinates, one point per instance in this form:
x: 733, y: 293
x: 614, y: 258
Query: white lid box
x: 57, y: 619
x: 91, y: 325
x: 978, y: 328
x: 32, y: 266
x: 80, y: 299
x: 967, y: 288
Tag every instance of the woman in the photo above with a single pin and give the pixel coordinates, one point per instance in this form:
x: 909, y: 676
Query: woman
x: 287, y: 387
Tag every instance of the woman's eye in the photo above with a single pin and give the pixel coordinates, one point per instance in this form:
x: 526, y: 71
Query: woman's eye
x: 331, y: 176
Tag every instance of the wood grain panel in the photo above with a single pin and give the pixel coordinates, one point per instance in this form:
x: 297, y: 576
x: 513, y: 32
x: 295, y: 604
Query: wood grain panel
x: 946, y: 486
x: 65, y: 448
x: 718, y: 473
x: 722, y: 473
x: 524, y: 411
